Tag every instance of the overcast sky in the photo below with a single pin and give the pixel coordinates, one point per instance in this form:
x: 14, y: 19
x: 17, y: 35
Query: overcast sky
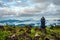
x: 29, y: 8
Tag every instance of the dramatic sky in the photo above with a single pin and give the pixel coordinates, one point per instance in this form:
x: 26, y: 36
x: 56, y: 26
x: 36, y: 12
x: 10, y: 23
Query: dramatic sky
x: 10, y: 9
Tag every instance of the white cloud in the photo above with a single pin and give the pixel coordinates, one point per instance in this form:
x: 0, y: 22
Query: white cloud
x: 19, y: 8
x: 32, y: 10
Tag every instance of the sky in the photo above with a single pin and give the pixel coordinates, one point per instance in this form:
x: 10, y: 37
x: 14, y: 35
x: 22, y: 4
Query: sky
x: 12, y: 9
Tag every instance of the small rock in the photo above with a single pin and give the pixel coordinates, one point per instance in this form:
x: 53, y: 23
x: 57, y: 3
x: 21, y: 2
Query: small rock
x: 47, y: 39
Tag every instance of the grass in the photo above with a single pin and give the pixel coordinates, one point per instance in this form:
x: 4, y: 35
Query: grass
x: 20, y: 30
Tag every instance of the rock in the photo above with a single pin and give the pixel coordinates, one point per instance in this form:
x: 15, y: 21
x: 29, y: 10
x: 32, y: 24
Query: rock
x: 2, y: 28
x: 14, y: 37
x: 8, y: 38
x: 25, y: 36
x: 57, y: 36
x: 43, y: 36
x: 28, y: 31
x: 37, y: 36
x: 46, y: 38
x: 52, y: 39
x: 28, y: 38
x: 43, y: 30
x: 21, y: 30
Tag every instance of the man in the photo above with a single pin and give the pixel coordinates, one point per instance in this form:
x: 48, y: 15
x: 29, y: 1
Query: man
x: 42, y: 22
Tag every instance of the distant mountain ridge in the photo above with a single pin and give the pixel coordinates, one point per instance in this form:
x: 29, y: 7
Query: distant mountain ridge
x: 19, y: 22
x: 4, y: 21
x: 27, y: 21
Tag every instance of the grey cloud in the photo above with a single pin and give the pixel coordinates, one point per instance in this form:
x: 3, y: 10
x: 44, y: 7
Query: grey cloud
x: 3, y: 4
x: 26, y: 15
x: 6, y: 11
x: 38, y: 9
x: 57, y: 2
x: 39, y: 1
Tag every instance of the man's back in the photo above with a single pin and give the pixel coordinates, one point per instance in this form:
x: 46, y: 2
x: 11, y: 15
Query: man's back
x: 42, y: 22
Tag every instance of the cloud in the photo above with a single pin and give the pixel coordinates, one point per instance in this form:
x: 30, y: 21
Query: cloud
x: 10, y: 3
x: 38, y: 1
x: 57, y: 2
x: 7, y: 0
x: 29, y: 8
x: 20, y: 3
x: 2, y: 4
x: 38, y: 9
x: 6, y: 11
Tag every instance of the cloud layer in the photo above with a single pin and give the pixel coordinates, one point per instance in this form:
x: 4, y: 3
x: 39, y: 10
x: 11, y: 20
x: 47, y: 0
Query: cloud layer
x: 29, y: 8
